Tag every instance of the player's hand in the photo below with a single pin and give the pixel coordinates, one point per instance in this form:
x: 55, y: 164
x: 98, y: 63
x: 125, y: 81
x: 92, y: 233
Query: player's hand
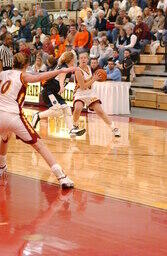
x: 96, y: 76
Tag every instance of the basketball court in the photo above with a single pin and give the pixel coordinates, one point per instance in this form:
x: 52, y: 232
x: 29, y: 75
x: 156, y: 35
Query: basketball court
x: 119, y: 203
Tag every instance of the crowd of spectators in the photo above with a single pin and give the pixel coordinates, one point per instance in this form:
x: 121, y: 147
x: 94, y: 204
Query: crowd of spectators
x: 114, y: 33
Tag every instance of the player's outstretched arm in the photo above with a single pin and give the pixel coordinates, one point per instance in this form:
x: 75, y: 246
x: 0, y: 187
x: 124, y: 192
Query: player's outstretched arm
x: 30, y: 78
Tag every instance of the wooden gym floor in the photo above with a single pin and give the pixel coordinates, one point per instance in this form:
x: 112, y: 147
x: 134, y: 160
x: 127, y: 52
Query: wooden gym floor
x: 119, y: 203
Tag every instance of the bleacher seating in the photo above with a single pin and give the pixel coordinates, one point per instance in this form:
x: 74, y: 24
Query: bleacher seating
x: 139, y: 69
x: 160, y: 50
x: 158, y: 83
x: 151, y: 59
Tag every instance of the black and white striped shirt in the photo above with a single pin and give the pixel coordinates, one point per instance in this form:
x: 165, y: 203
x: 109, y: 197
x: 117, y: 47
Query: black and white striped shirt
x: 6, y: 56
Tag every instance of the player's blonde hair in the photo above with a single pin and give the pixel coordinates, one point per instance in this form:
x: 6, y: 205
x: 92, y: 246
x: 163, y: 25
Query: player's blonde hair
x: 66, y: 58
x: 20, y: 60
x: 84, y: 53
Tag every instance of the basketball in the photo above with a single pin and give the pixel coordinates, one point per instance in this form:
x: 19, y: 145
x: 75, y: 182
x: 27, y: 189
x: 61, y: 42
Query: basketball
x: 102, y: 74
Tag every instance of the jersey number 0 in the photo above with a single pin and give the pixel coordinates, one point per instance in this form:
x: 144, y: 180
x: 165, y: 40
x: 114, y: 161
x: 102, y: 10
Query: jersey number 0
x: 5, y: 87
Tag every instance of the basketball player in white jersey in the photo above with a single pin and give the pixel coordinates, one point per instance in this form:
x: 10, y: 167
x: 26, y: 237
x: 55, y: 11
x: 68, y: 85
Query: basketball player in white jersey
x: 85, y: 95
x: 51, y: 94
x: 13, y: 84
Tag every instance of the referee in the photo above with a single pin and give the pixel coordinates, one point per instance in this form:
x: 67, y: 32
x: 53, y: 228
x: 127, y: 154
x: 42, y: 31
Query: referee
x: 6, y: 54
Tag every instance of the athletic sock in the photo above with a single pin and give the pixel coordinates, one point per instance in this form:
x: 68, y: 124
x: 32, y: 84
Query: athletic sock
x: 57, y: 170
x: 112, y: 125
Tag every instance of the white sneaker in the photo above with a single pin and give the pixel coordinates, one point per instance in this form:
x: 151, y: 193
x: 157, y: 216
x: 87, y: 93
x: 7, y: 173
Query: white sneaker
x: 35, y: 120
x: 3, y: 176
x: 116, y: 132
x: 66, y: 182
x: 63, y: 179
x: 75, y: 131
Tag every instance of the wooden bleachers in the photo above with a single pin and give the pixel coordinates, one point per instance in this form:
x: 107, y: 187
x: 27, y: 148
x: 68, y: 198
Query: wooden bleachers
x: 151, y: 59
x: 139, y: 69
x: 145, y: 99
x: 160, y: 50
x: 161, y: 101
x: 150, y: 99
x: 158, y: 83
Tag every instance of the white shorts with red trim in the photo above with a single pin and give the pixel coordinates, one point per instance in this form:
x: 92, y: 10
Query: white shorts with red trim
x: 87, y: 97
x: 17, y: 124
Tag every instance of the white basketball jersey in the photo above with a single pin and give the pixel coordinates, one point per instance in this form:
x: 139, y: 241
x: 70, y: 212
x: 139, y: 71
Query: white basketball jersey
x: 87, y: 75
x: 12, y: 91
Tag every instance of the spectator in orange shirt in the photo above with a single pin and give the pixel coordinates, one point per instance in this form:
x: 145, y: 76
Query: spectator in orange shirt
x: 61, y: 48
x: 83, y: 40
x: 54, y: 38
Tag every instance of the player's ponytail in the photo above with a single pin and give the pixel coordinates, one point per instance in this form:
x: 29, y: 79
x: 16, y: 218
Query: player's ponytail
x: 20, y: 60
x: 65, y: 58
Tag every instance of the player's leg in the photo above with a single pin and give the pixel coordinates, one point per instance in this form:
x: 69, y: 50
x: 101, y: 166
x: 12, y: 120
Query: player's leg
x: 78, y: 106
x: 41, y: 148
x: 53, y: 111
x: 73, y: 130
x: 24, y: 131
x: 57, y: 109
x: 3, y: 155
x: 99, y: 111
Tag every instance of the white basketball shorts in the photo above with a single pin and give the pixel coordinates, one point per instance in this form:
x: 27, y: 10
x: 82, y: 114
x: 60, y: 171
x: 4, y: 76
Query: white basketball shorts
x: 87, y: 97
x: 17, y: 124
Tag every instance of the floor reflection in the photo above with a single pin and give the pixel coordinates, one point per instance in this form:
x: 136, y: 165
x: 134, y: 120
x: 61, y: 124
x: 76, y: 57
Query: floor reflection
x: 43, y: 220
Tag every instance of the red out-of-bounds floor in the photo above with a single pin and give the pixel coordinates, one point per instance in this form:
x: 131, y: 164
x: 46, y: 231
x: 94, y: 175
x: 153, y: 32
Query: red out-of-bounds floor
x: 37, y: 218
